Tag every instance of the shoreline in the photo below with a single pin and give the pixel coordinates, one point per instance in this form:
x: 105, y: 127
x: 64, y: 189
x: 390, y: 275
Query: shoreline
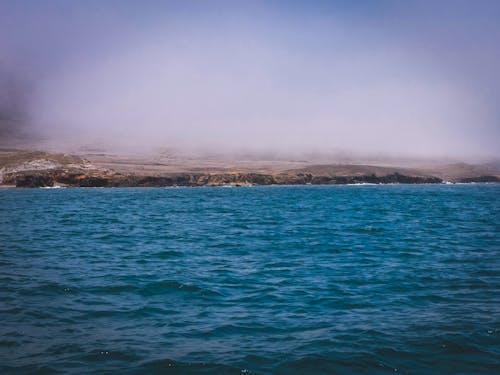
x: 51, y: 178
x: 4, y: 186
x: 109, y: 179
x: 21, y: 168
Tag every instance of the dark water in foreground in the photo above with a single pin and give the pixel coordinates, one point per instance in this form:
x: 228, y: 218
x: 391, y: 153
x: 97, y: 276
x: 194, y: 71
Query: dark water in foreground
x: 306, y: 280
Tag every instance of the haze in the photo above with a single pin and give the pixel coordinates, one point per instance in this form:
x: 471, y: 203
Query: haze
x: 401, y: 78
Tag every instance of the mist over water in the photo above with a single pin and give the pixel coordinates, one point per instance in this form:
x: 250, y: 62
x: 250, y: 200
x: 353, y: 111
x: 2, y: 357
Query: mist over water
x: 413, y: 79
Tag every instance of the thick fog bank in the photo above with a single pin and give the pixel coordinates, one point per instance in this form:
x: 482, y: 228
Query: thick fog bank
x: 413, y: 79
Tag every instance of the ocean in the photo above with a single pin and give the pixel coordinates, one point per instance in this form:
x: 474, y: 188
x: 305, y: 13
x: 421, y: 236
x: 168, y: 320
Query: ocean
x: 263, y: 280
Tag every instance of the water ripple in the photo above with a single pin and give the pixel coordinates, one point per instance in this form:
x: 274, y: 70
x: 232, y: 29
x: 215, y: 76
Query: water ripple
x: 264, y: 280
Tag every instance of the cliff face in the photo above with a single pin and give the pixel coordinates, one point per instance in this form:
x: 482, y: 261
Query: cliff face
x: 93, y: 179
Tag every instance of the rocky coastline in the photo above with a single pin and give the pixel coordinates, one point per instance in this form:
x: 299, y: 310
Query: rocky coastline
x: 50, y: 178
x: 39, y: 169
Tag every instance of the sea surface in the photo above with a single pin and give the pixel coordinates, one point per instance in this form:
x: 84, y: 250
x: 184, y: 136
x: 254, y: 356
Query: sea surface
x: 263, y: 280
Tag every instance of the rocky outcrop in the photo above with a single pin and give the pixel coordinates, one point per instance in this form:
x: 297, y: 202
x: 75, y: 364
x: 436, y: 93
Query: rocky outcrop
x: 469, y: 180
x: 34, y: 180
x: 80, y: 178
x: 92, y: 179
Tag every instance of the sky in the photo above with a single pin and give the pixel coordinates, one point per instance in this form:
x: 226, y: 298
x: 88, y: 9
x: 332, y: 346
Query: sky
x: 412, y: 78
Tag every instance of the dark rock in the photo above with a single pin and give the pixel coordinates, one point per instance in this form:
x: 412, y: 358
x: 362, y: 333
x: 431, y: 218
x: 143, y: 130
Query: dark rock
x: 395, y: 178
x: 93, y: 182
x: 34, y: 181
x: 480, y: 179
x: 95, y: 178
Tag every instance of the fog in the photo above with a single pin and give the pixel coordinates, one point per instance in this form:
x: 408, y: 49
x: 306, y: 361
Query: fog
x: 397, y: 78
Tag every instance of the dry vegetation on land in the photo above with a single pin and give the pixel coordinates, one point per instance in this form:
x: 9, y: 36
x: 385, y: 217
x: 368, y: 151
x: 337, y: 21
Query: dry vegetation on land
x: 39, y: 168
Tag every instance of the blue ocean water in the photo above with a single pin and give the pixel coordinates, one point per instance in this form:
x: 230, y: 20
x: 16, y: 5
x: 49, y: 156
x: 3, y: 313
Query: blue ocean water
x: 265, y: 280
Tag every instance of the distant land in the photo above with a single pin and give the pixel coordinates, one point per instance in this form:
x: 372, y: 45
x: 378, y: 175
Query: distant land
x: 27, y: 168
